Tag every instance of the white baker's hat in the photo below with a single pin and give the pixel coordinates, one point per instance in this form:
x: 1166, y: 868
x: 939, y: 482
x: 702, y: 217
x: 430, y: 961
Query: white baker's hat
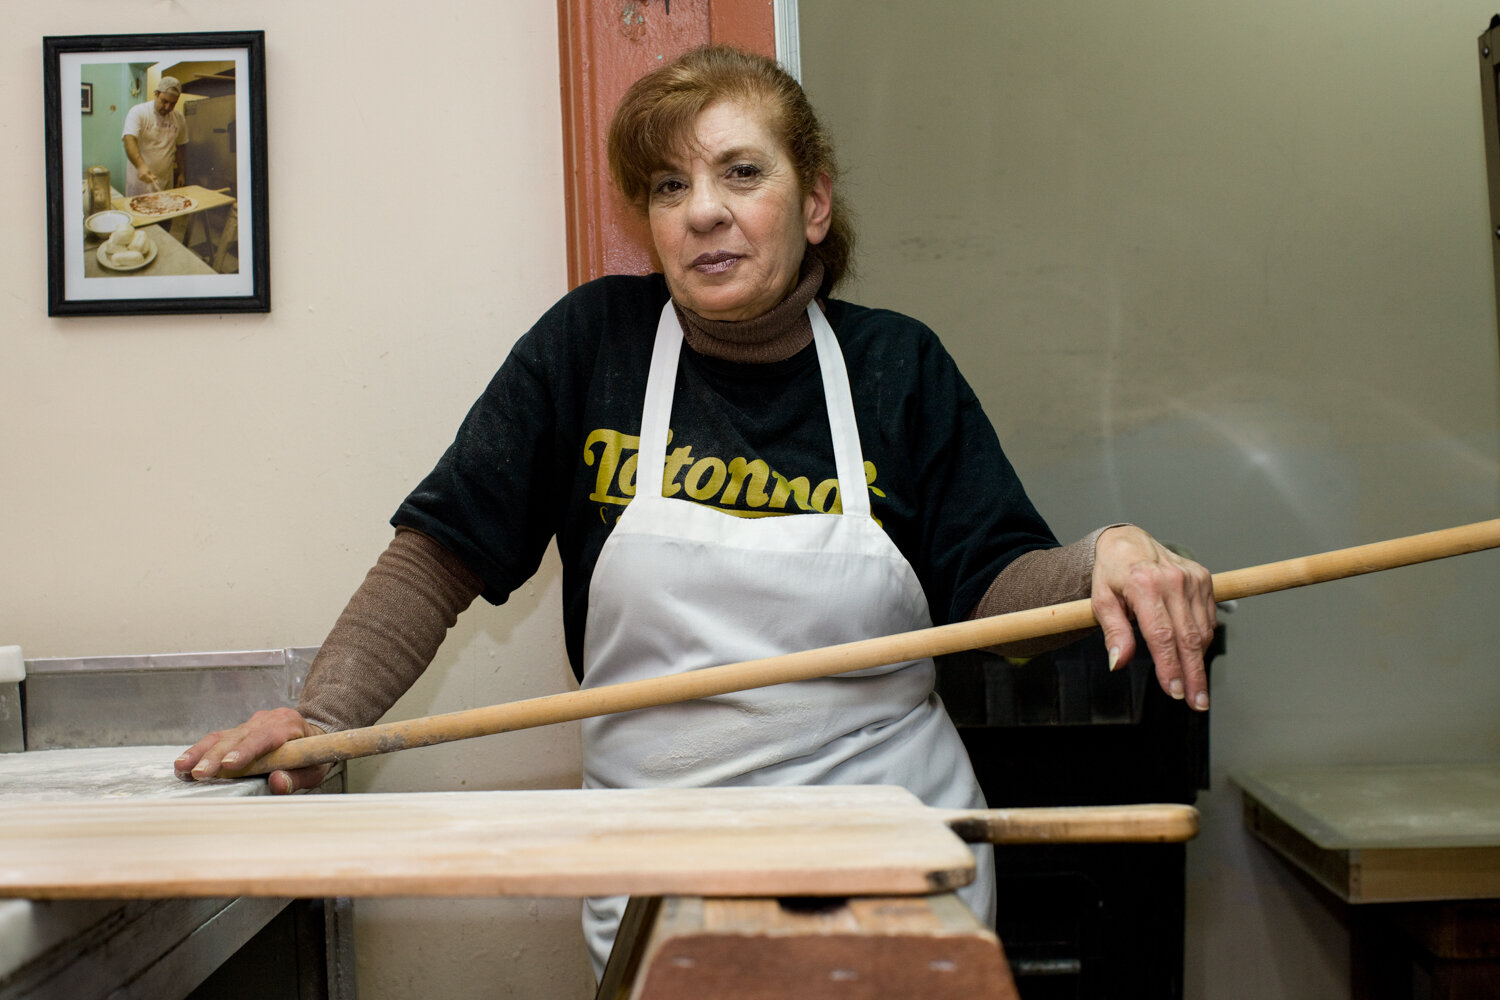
x: 168, y: 84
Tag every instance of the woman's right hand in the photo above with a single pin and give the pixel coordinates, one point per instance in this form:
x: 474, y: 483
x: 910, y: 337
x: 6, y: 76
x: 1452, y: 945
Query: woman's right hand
x: 219, y: 754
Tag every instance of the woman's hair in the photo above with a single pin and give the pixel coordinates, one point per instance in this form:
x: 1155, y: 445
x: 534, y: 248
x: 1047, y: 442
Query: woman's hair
x: 656, y: 116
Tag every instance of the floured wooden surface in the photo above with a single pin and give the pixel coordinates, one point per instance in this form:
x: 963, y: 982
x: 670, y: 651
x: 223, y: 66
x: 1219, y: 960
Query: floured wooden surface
x: 106, y: 773
x: 1385, y: 805
x: 720, y: 841
x: 30, y: 928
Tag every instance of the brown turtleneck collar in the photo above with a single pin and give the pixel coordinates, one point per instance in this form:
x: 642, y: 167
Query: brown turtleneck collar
x: 771, y: 336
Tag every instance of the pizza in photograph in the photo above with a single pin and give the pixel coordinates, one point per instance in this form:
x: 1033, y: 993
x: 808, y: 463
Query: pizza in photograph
x: 161, y: 203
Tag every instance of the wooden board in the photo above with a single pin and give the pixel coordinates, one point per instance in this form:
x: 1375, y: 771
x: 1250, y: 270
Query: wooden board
x: 84, y: 773
x: 715, y: 842
x: 930, y: 947
x: 203, y: 199
x: 1384, y: 833
x: 58, y: 942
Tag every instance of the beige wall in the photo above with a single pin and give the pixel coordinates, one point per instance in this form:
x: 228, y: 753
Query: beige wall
x: 223, y: 482
x: 1224, y: 270
x: 1219, y: 268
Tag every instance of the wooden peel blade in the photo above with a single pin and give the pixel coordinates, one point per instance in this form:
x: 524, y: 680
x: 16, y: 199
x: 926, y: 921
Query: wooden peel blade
x: 829, y: 660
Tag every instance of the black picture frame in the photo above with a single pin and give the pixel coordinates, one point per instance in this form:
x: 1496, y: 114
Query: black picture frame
x: 222, y: 215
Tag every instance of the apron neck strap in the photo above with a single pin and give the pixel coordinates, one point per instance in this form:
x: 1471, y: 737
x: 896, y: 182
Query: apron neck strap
x: 849, y: 461
x: 661, y: 383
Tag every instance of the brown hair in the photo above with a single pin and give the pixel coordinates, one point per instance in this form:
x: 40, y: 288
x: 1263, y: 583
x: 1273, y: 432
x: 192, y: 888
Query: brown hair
x: 657, y: 114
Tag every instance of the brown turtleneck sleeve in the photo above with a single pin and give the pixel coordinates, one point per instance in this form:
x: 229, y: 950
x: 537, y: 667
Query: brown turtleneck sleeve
x: 1037, y: 579
x: 388, y: 633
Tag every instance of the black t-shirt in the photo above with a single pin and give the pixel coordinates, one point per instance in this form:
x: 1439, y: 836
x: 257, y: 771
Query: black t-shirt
x: 549, y: 449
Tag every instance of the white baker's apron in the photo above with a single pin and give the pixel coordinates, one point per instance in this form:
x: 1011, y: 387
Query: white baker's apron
x: 157, y: 141
x: 680, y: 586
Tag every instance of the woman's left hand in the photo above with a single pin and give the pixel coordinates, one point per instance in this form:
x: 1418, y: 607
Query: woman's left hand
x: 1171, y: 599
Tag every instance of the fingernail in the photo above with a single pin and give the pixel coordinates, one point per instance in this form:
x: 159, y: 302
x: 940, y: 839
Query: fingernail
x: 232, y: 757
x: 182, y: 757
x: 1201, y: 701
x: 1177, y: 690
x: 1114, y: 658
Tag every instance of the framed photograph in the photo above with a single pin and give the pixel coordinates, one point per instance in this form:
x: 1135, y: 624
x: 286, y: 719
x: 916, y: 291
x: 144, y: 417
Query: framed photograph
x: 156, y: 188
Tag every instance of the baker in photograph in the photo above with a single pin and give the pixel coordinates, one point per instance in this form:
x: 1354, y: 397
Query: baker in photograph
x: 734, y: 464
x: 154, y: 130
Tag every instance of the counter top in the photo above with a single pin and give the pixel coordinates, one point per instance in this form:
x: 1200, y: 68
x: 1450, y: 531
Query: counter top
x: 28, y: 928
x: 1387, y: 805
x: 107, y: 773
x: 1383, y: 833
x: 171, y: 258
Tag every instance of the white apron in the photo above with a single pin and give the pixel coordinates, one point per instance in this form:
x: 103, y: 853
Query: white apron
x: 156, y: 138
x: 680, y: 586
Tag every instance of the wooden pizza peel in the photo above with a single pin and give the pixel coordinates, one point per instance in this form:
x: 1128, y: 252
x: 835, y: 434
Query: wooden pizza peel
x: 203, y: 199
x: 799, y: 841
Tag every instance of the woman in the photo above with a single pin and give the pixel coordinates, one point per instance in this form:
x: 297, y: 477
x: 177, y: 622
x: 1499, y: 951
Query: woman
x: 649, y: 424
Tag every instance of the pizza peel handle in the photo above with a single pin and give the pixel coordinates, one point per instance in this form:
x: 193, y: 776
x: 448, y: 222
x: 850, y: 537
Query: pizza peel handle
x: 1166, y: 823
x: 829, y: 660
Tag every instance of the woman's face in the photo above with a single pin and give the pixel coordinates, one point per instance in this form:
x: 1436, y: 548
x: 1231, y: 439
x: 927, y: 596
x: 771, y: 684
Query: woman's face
x: 730, y: 220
